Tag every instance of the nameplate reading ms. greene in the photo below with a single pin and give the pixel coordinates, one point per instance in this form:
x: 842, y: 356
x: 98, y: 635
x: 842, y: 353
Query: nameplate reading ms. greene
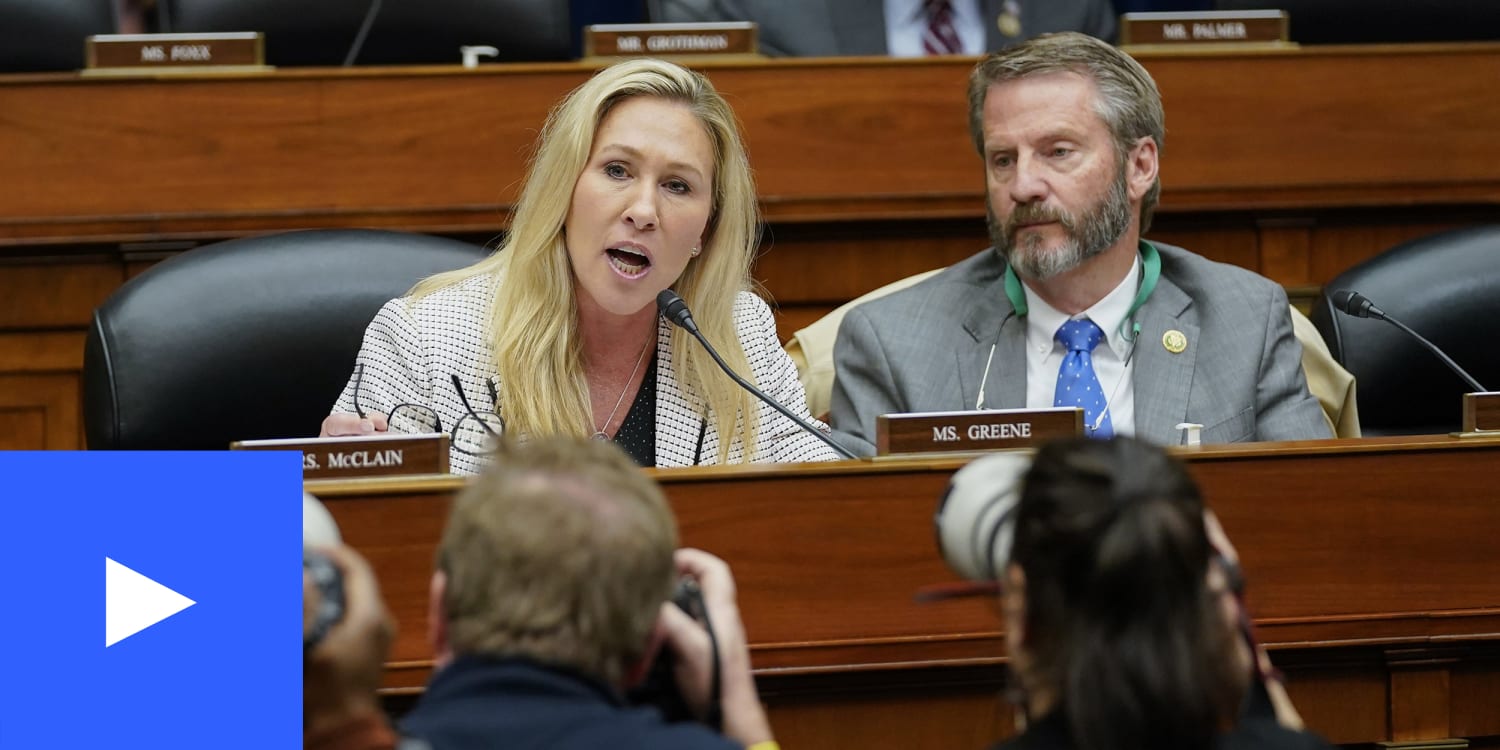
x: 366, y: 456
x: 972, y: 431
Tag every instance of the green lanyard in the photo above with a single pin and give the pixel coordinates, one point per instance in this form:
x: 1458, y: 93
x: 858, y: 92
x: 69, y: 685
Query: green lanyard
x: 1150, y: 274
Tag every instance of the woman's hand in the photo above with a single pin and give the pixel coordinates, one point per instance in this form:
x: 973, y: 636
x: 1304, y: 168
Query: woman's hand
x: 1230, y: 604
x: 343, y: 423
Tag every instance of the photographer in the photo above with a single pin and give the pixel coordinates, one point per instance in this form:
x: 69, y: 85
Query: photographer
x: 551, y: 600
x: 347, y: 633
x: 1124, y: 623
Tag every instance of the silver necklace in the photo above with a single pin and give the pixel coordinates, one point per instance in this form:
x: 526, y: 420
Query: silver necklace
x: 600, y: 433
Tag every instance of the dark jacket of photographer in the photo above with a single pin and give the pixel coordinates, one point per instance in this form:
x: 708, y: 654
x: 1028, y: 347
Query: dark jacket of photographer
x: 478, y: 703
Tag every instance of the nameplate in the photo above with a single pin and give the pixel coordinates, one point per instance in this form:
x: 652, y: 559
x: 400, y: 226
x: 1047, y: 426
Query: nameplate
x: 973, y: 431
x: 1197, y: 29
x: 157, y: 53
x: 670, y: 39
x: 364, y: 456
x: 1481, y: 411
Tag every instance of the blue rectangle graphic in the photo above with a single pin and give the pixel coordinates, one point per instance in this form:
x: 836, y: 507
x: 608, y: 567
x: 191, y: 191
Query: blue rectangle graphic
x: 223, y: 530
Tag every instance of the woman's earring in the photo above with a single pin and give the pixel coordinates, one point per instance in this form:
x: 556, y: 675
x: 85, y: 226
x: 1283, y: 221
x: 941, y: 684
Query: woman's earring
x: 696, y: 250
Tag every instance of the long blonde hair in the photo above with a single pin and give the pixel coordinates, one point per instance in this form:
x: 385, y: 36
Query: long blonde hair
x: 535, y: 350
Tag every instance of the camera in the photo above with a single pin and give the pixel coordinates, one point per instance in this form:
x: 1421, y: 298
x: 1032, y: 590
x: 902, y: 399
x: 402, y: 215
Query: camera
x: 975, y: 520
x: 659, y: 688
x: 328, y: 609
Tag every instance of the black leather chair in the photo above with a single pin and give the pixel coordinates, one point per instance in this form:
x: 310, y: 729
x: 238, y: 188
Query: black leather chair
x: 1381, y: 21
x: 1444, y: 286
x: 321, y: 32
x: 250, y: 338
x: 48, y: 35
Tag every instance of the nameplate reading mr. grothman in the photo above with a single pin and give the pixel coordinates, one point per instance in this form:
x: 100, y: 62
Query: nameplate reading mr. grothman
x: 971, y: 431
x: 667, y: 39
x: 1257, y: 27
x: 150, y: 53
x: 376, y: 455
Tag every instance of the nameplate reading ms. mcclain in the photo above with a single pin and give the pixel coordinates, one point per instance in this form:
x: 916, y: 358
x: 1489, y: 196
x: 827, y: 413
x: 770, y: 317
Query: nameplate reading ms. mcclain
x: 157, y: 53
x: 364, y: 456
x: 1204, y: 28
x: 971, y: 431
x: 669, y: 39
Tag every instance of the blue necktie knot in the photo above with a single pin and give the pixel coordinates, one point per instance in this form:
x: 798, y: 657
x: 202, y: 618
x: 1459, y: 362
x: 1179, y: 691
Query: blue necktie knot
x: 1077, y: 383
x: 1079, y: 335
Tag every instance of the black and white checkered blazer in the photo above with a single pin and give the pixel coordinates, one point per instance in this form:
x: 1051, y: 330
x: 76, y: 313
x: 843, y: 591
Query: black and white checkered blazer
x: 412, y: 348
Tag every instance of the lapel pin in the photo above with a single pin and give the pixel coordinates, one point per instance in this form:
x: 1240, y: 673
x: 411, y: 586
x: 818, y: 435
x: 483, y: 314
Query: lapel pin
x: 1009, y: 21
x: 1174, y: 341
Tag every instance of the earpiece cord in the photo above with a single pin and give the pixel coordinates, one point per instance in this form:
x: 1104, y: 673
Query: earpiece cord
x: 1129, y: 355
x: 1150, y: 274
x: 979, y: 402
x: 985, y: 378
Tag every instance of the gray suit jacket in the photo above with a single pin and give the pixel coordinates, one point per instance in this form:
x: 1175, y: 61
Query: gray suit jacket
x: 826, y: 28
x: 924, y: 349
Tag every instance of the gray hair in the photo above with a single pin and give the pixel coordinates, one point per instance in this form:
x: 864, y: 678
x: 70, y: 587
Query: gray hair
x: 1128, y: 101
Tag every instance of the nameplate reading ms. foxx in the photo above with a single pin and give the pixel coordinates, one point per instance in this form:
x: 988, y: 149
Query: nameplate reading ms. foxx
x: 156, y: 53
x: 362, y: 456
x: 972, y: 431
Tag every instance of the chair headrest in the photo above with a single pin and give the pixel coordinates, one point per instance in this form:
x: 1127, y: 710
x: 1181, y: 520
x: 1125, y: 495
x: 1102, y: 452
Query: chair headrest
x: 1446, y: 287
x: 245, y: 339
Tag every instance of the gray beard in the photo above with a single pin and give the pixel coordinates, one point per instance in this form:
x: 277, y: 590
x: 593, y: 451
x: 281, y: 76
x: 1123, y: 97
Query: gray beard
x: 1087, y: 236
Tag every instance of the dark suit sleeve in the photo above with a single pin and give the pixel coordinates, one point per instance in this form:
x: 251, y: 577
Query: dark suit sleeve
x: 1102, y: 22
x: 714, y: 11
x: 1285, y: 409
x: 863, y: 387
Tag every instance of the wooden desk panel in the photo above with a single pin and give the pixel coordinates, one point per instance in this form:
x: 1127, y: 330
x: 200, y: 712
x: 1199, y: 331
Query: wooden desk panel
x: 1370, y: 564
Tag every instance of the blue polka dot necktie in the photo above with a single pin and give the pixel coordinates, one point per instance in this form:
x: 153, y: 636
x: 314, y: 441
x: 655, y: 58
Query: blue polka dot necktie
x: 1077, y: 383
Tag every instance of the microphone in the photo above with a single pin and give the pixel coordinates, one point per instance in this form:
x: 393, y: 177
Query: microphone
x: 364, y: 31
x: 1357, y: 305
x: 676, y: 311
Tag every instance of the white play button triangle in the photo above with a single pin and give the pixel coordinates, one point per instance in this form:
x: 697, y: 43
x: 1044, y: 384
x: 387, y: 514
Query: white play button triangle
x: 133, y: 602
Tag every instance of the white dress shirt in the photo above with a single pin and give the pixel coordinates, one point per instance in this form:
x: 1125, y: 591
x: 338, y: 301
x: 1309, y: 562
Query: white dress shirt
x: 1112, y: 360
x: 906, y: 22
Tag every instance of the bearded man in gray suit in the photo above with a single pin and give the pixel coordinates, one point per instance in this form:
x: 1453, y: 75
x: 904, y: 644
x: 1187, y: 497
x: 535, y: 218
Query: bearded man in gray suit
x: 1070, y: 130
x: 827, y: 28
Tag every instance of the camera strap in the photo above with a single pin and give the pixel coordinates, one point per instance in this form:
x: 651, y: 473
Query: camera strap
x: 714, y: 715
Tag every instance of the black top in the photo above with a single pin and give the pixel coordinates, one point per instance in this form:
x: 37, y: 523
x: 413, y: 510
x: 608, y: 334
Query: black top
x: 637, y: 434
x: 1251, y: 733
x: 480, y: 703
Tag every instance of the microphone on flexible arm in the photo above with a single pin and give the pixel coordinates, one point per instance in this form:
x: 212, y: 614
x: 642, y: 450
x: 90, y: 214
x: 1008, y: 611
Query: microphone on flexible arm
x: 364, y: 31
x: 676, y: 311
x: 1353, y: 303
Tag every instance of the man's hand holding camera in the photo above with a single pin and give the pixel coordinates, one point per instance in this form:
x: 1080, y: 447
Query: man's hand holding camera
x: 744, y: 716
x: 344, y: 663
